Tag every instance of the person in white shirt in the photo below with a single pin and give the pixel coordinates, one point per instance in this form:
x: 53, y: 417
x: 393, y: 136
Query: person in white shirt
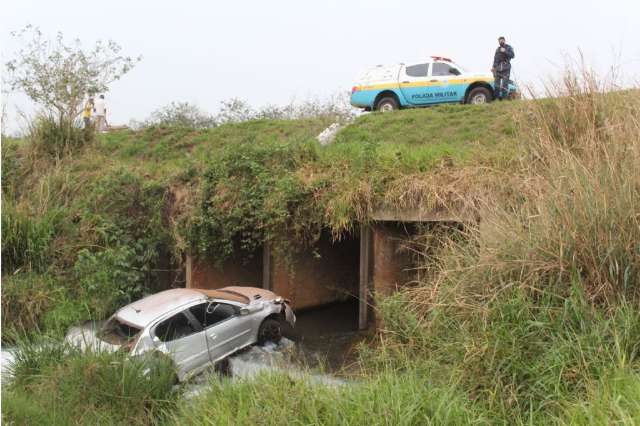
x: 100, y: 110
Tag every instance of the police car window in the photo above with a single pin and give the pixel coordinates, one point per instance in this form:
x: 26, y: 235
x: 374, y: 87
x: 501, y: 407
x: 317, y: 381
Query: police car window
x: 176, y: 327
x: 440, y: 68
x: 419, y: 70
x: 212, y: 313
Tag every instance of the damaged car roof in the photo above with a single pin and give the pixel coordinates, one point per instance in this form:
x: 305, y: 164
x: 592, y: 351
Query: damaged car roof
x: 144, y: 311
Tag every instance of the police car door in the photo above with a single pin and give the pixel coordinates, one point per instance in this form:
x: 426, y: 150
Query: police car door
x: 442, y: 75
x: 414, y: 83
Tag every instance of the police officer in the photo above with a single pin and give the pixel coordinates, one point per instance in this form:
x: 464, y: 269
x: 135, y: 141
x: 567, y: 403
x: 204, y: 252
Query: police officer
x: 502, y: 68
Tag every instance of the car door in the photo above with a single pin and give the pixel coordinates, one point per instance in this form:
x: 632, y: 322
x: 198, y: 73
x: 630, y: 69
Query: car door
x: 183, y: 339
x: 444, y: 76
x: 415, y: 84
x: 226, y: 330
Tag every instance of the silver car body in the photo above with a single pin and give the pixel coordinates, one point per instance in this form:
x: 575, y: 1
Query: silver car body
x: 194, y: 327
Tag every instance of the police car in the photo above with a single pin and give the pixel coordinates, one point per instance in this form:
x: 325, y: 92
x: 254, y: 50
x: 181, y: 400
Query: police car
x: 435, y: 81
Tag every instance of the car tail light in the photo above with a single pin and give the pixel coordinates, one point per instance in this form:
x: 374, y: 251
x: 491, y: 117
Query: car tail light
x: 354, y: 89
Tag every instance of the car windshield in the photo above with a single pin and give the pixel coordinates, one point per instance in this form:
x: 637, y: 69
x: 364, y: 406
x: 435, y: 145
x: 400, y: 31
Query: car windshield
x: 118, y: 333
x: 459, y: 67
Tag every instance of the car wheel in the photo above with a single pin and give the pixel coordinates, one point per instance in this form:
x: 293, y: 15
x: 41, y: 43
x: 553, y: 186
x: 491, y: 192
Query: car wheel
x: 270, y: 331
x: 387, y: 104
x: 479, y: 95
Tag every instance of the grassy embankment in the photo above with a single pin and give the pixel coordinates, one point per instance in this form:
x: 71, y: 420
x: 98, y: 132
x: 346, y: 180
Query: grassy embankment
x: 533, y: 317
x: 83, y: 234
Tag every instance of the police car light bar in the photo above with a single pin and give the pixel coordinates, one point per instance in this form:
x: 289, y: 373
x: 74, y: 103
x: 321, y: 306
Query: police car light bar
x: 441, y: 58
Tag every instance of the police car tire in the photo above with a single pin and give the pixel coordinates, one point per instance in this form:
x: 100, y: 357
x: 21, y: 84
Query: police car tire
x: 477, y: 91
x: 387, y: 100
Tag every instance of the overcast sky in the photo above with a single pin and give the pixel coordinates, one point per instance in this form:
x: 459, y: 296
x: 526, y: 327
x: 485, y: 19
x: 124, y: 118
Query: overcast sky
x: 274, y: 51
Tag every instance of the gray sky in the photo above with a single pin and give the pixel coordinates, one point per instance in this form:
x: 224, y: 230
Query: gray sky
x: 273, y: 51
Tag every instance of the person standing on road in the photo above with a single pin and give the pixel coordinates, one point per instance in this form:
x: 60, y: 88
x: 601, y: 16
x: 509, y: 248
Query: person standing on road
x: 86, y: 112
x: 100, y: 110
x: 502, y: 68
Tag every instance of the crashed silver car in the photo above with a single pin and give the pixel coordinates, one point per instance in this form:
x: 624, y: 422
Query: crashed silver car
x: 195, y: 328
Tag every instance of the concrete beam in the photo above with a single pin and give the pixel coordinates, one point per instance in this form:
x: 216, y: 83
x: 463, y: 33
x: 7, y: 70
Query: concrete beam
x: 364, y: 277
x: 419, y: 214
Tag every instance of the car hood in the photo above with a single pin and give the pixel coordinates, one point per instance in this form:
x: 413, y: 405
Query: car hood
x: 85, y: 337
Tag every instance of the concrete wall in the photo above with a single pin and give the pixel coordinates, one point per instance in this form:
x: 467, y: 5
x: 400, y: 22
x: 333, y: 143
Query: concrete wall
x: 327, y: 274
x: 330, y: 272
x: 240, y: 270
x: 392, y: 262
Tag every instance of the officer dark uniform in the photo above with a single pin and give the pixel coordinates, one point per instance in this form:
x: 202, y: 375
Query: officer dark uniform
x: 502, y: 68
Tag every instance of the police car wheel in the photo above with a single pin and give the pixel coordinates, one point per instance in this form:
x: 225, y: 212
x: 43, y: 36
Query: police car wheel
x: 387, y: 105
x: 479, y: 95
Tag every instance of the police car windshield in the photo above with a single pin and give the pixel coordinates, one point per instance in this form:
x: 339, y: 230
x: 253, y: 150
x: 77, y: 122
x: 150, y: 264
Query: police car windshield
x: 458, y: 67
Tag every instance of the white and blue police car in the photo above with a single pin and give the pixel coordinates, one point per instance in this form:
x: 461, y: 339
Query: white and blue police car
x: 434, y: 81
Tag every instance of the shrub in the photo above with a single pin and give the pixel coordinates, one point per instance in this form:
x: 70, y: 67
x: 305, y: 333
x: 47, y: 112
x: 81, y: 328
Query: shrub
x: 251, y: 195
x: 56, y: 138
x: 181, y: 115
x: 108, y: 279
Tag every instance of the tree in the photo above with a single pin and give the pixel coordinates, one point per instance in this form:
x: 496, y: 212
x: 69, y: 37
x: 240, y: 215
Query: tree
x: 58, y: 75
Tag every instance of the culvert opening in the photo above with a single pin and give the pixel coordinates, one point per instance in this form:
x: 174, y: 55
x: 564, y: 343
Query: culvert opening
x: 324, y: 275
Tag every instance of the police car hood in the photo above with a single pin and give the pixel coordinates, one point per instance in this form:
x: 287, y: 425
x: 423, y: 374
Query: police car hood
x: 379, y: 73
x: 478, y: 75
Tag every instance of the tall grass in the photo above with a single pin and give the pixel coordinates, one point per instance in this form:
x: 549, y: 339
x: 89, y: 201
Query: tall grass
x: 543, y: 298
x: 26, y: 239
x: 275, y: 399
x: 56, y: 384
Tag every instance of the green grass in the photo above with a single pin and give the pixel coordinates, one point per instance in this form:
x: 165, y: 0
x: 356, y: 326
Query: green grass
x: 56, y: 384
x: 390, y: 398
x: 614, y: 399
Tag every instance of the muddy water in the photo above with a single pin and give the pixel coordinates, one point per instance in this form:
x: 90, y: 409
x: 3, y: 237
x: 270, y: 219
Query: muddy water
x: 323, y: 337
x: 328, y: 335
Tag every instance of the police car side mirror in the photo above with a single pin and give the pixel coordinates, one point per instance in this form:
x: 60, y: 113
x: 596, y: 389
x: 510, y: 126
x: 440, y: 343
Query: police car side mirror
x: 454, y: 71
x: 244, y: 311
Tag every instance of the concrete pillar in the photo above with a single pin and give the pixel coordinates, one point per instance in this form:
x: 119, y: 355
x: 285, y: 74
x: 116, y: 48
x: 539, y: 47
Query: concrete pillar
x: 364, y: 276
x: 266, y: 267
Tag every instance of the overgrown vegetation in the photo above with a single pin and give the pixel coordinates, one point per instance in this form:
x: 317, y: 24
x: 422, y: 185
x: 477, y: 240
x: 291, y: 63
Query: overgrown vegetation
x: 105, y: 220
x: 532, y: 317
x: 539, y: 306
x: 56, y: 384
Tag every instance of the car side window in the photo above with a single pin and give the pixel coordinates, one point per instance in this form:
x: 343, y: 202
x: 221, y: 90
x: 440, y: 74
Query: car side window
x: 442, y: 69
x: 212, y: 313
x: 174, y: 328
x: 419, y: 70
